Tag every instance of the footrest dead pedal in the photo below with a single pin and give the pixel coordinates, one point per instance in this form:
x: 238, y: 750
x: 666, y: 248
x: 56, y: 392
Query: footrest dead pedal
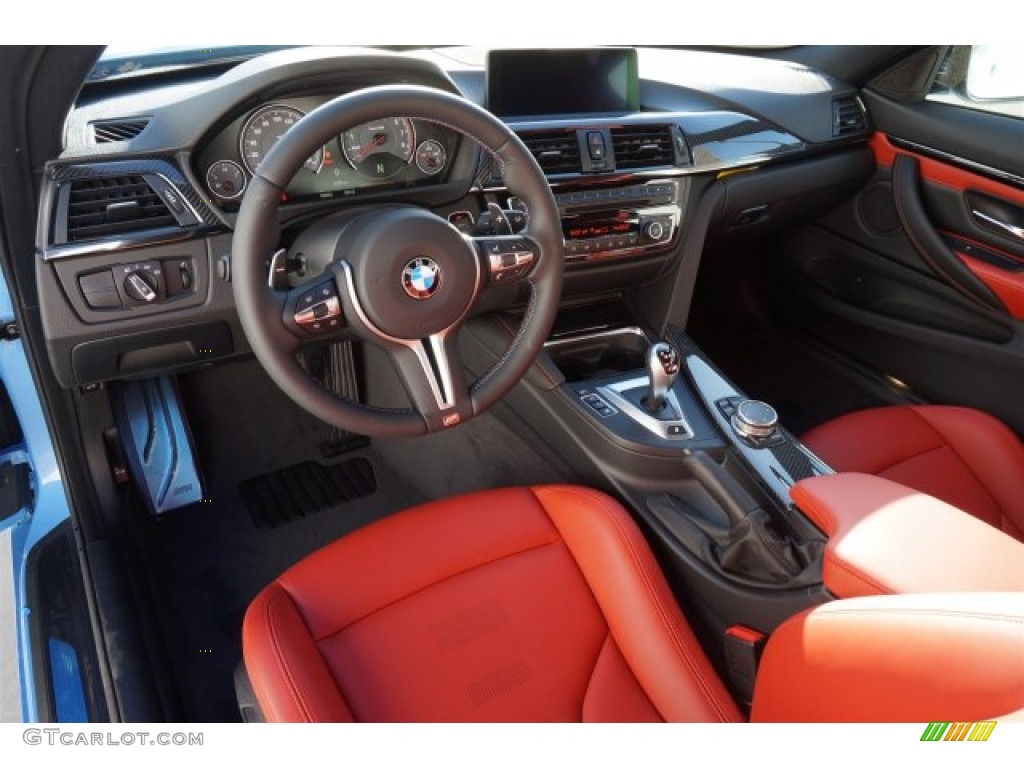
x: 156, y: 443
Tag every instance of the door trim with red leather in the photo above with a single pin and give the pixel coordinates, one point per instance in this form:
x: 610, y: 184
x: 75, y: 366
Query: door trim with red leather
x: 1007, y: 285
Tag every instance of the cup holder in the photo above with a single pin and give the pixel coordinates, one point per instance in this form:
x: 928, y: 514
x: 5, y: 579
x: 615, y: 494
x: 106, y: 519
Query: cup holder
x: 599, y: 354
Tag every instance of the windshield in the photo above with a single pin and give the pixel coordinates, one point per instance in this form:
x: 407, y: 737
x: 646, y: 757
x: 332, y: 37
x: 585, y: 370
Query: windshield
x: 127, y: 60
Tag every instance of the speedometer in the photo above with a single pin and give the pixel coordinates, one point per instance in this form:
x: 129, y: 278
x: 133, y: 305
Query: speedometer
x: 263, y: 130
x: 379, y: 150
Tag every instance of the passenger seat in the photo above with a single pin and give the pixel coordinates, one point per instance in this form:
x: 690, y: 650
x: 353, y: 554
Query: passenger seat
x: 960, y: 455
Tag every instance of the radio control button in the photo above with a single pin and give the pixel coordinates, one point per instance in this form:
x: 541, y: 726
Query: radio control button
x: 654, y: 230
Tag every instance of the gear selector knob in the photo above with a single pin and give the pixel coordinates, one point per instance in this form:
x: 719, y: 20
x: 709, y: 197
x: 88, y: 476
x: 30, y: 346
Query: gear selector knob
x: 662, y: 370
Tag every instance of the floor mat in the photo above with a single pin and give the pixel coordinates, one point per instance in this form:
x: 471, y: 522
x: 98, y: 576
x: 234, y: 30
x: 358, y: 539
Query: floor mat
x: 302, y: 489
x: 208, y: 561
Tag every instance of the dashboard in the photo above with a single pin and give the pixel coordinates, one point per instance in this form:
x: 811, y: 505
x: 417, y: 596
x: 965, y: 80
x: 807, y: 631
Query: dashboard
x: 668, y: 150
x: 393, y: 152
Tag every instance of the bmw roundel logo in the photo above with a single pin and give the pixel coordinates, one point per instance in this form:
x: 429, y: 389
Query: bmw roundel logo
x: 421, y: 277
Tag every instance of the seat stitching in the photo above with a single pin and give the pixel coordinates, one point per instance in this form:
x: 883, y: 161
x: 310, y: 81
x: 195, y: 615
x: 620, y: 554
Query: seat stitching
x: 906, y: 459
x: 593, y: 672
x: 433, y: 584
x: 856, y: 573
x: 941, y: 612
x: 608, y: 639
x: 961, y: 459
x: 659, y: 606
x: 279, y: 657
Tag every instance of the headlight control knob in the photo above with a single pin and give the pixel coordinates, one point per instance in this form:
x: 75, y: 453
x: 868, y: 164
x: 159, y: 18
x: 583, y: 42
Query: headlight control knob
x: 140, y: 287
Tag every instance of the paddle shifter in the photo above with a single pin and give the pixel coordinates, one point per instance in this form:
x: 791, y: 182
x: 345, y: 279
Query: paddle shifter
x: 662, y: 370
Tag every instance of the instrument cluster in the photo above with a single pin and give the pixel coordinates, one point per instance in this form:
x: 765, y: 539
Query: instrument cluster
x: 390, y: 152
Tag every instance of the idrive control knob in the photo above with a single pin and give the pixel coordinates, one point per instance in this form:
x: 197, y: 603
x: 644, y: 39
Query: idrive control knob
x: 755, y: 420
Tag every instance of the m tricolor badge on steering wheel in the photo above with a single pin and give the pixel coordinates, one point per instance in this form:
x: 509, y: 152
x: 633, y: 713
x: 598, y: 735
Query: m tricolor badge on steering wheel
x: 421, y: 277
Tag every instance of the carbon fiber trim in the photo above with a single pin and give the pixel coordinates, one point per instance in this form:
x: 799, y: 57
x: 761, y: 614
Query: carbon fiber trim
x: 793, y: 460
x: 58, y: 173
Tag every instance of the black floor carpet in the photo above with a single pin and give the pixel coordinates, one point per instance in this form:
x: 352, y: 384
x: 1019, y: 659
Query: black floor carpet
x: 209, y: 560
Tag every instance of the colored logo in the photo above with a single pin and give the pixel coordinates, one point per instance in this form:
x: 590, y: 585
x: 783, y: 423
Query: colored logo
x: 959, y: 731
x: 421, y: 277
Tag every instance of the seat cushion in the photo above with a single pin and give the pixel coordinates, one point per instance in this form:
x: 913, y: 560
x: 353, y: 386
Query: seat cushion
x: 962, y: 456
x: 521, y: 604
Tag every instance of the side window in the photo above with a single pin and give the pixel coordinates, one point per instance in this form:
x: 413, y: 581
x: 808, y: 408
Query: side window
x: 985, y: 77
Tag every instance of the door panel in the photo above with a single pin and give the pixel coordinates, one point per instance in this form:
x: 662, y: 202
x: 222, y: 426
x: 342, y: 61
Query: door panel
x: 967, y: 206
x: 891, y: 287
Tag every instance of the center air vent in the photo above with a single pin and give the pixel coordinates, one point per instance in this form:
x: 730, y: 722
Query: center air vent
x: 847, y: 117
x: 113, y: 206
x: 555, y: 151
x: 109, y: 131
x: 642, y: 146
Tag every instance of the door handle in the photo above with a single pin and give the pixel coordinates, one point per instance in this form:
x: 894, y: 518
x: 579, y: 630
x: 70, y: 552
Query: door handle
x: 1010, y: 229
x: 926, y: 240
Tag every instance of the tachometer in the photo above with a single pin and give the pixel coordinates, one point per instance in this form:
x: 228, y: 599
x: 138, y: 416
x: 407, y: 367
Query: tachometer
x: 379, y: 150
x: 262, y: 131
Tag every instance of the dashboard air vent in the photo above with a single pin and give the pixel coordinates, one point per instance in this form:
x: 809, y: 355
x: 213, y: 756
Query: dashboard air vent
x: 642, y: 146
x: 109, y: 131
x: 113, y: 206
x: 555, y: 151
x: 847, y: 117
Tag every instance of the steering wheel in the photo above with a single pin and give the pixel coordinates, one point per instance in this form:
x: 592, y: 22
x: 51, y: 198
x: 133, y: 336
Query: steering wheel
x: 399, y: 277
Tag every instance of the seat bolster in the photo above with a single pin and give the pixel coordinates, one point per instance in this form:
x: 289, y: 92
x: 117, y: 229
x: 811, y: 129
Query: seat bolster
x: 992, y: 453
x: 896, y: 658
x: 643, y: 617
x: 289, y: 676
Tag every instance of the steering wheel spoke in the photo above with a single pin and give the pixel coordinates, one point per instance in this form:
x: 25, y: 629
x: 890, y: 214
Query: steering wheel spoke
x: 506, y: 258
x: 431, y: 370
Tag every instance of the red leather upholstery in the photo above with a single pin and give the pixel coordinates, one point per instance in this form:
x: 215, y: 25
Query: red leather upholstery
x: 886, y: 538
x: 901, y: 658
x: 962, y: 456
x: 512, y: 605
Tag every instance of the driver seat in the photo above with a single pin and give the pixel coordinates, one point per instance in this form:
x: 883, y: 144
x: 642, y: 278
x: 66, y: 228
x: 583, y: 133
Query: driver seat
x: 546, y: 604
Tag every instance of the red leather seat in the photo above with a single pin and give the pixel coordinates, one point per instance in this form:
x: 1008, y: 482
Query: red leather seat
x: 541, y: 604
x: 962, y: 456
x: 510, y: 605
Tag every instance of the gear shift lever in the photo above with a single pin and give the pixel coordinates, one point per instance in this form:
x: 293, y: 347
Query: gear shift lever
x: 662, y: 370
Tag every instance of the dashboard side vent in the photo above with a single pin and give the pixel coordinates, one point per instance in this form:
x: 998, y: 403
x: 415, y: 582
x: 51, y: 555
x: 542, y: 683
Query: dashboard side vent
x: 642, y: 146
x: 847, y: 117
x: 113, y: 206
x: 555, y: 151
x: 110, y: 131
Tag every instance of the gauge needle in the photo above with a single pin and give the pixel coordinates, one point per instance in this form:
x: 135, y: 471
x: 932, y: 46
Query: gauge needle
x: 378, y: 140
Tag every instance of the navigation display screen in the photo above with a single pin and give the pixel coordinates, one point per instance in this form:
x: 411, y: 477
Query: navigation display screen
x: 524, y: 83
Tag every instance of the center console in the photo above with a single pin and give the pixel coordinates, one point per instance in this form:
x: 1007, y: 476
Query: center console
x: 706, y: 471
